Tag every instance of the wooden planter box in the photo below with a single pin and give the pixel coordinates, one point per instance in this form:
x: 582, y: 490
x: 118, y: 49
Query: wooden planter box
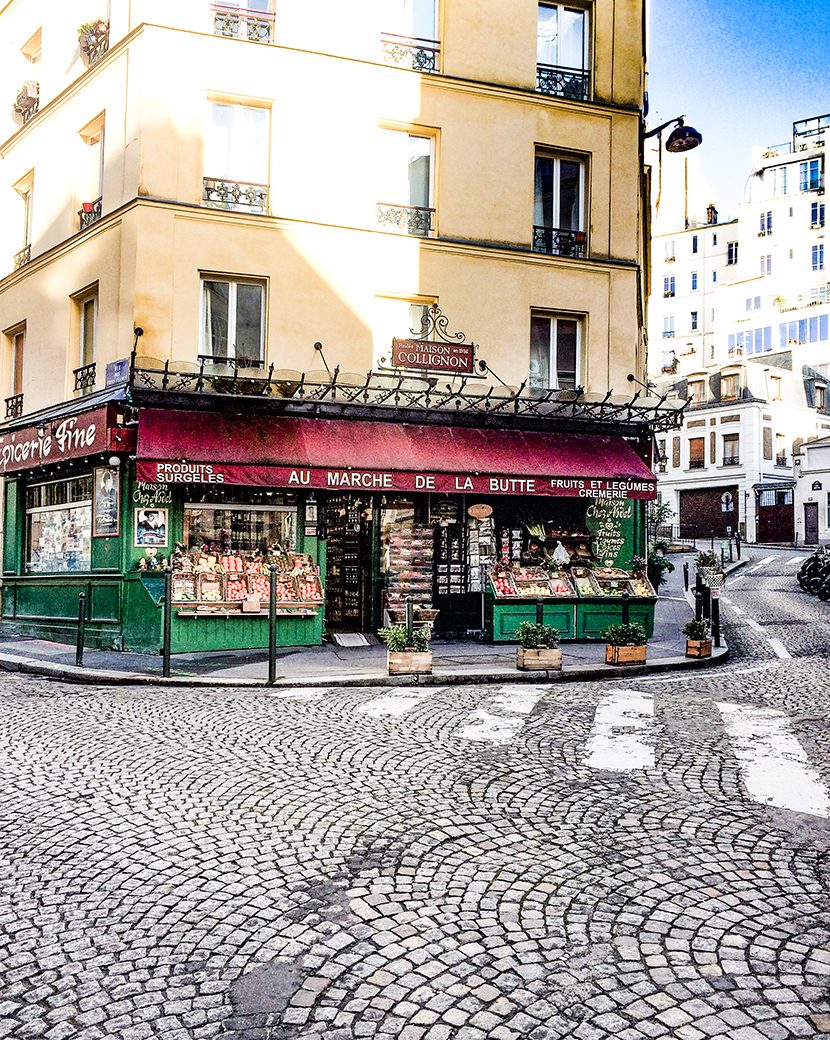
x: 625, y: 654
x: 698, y: 647
x: 409, y: 662
x: 548, y: 660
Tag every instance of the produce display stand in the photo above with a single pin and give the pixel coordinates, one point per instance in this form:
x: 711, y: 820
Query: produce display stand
x: 579, y: 601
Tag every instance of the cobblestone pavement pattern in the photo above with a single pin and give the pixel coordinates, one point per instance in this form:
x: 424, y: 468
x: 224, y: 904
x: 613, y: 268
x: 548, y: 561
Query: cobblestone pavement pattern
x: 242, y: 865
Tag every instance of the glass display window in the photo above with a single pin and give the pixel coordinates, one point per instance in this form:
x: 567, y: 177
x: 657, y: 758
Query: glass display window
x: 59, y: 526
x: 240, y: 528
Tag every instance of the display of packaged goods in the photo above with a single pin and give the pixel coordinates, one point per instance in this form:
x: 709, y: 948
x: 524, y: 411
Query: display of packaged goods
x: 210, y: 588
x: 585, y: 582
x: 614, y: 586
x: 610, y: 572
x: 183, y: 588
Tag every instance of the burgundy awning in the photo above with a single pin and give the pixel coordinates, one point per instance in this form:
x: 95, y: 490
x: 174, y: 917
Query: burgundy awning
x: 273, y: 451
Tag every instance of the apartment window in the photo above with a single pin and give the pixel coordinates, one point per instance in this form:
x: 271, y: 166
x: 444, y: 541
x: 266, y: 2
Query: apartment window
x: 93, y: 137
x: 693, y: 321
x: 765, y: 227
x: 775, y: 388
x: 558, y: 219
x: 668, y: 326
x: 779, y: 181
x: 59, y: 526
x: 731, y: 449
x: 562, y: 51
x: 766, y: 265
x: 816, y: 215
x: 809, y: 175
x: 818, y: 257
x: 714, y: 239
x: 397, y: 317
x: 669, y: 250
x: 405, y: 186
x: 236, y: 158
x: 731, y: 253
x: 555, y: 346
x: 233, y: 321
x: 694, y: 243
x: 821, y: 397
x: 729, y: 387
x: 696, y: 392
x: 780, y: 449
x: 714, y: 276
x: 244, y: 20
x: 409, y: 34
x: 694, y: 281
x: 25, y: 190
x: 697, y: 452
x: 668, y: 286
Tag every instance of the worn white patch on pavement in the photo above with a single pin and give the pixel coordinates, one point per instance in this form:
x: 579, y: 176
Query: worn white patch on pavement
x: 793, y: 560
x: 759, y: 565
x: 310, y: 693
x: 623, y: 726
x: 779, y: 649
x: 753, y: 624
x: 397, y: 701
x: 774, y: 766
x: 514, y: 703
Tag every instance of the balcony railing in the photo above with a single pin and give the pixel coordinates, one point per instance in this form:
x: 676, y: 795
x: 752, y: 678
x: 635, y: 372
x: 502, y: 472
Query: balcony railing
x: 27, y: 101
x: 562, y: 82
x: 236, y: 196
x: 781, y: 460
x: 89, y: 213
x: 410, y: 52
x: 731, y: 460
x: 230, y: 362
x: 559, y: 241
x: 85, y: 378
x: 14, y: 406
x: 23, y: 257
x: 697, y: 464
x: 243, y: 24
x: 94, y: 40
x: 668, y: 333
x: 668, y: 293
x: 414, y: 220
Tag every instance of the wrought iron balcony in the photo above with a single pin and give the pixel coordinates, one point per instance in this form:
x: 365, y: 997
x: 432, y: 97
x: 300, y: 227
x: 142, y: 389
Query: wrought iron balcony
x: 241, y: 23
x: 667, y: 293
x: 85, y: 378
x: 230, y: 362
x: 697, y: 464
x: 14, y: 406
x: 562, y: 82
x: 731, y: 460
x: 94, y: 40
x: 89, y: 213
x: 410, y: 52
x: 559, y: 241
x: 27, y: 101
x: 414, y: 220
x: 236, y: 196
x: 23, y: 257
x: 668, y: 333
x: 781, y: 460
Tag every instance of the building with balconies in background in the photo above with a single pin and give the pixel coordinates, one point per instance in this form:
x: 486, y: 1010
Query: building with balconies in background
x: 240, y: 246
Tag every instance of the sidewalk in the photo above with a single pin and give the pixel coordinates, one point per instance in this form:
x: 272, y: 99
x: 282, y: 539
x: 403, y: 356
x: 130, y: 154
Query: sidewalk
x: 453, y: 662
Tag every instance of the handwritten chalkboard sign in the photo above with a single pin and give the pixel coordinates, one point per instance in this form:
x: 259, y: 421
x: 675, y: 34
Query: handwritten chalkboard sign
x: 611, y: 521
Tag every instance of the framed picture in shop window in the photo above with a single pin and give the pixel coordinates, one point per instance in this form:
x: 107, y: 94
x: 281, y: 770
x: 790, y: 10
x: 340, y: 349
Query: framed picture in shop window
x: 150, y: 527
x: 106, y: 502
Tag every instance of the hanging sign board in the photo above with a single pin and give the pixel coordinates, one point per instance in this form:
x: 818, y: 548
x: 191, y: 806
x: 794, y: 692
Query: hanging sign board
x: 480, y: 510
x: 421, y: 354
x: 816, y: 485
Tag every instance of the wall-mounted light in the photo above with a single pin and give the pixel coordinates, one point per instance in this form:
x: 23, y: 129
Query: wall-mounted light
x: 682, y: 139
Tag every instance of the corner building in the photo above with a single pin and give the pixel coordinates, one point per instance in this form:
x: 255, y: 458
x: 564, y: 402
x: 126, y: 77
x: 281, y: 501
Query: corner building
x: 352, y: 290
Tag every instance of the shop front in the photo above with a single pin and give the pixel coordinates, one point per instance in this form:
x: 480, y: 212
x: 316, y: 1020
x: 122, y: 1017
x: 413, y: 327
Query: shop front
x: 482, y: 528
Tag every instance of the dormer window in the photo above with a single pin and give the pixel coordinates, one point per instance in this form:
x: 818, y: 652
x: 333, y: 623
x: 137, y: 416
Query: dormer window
x: 729, y: 387
x: 697, y: 391
x: 821, y: 397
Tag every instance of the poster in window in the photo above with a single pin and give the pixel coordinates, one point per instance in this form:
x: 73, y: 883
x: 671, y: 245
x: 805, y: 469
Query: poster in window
x: 106, y: 502
x: 151, y: 527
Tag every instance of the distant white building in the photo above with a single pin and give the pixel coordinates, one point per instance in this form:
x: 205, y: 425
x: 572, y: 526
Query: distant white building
x: 739, y: 321
x: 812, y: 493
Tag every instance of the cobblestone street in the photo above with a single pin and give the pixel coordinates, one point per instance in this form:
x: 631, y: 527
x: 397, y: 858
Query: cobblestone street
x: 428, y: 862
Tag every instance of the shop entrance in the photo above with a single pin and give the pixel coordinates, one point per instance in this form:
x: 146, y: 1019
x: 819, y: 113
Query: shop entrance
x: 349, y: 566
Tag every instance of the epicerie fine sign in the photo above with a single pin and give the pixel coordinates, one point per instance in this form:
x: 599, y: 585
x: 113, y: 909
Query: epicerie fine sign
x: 374, y: 480
x: 70, y: 438
x: 437, y: 357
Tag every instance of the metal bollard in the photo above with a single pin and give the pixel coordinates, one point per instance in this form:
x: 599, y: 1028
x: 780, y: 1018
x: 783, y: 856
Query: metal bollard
x: 738, y: 543
x: 166, y: 629
x: 686, y: 576
x: 272, y: 624
x: 79, y: 646
x: 410, y: 614
x: 540, y: 612
x: 626, y: 608
x: 716, y: 619
x: 698, y: 598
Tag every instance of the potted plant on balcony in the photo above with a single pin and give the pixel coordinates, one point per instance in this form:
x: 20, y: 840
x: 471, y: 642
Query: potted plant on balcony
x: 625, y: 644
x: 93, y: 38
x: 698, y: 643
x: 538, y: 648
x: 407, y: 655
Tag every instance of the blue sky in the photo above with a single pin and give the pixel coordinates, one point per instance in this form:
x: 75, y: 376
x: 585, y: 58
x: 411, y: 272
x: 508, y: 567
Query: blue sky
x: 742, y: 71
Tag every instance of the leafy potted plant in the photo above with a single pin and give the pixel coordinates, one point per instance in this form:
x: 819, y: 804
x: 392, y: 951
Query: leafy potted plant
x: 698, y: 643
x: 708, y: 565
x: 93, y: 39
x: 625, y: 644
x: 539, y: 647
x: 405, y: 656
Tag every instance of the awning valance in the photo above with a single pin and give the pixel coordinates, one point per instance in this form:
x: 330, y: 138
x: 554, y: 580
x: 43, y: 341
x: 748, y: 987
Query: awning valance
x: 336, y: 454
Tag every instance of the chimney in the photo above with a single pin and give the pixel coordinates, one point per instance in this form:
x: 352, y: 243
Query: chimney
x: 711, y: 214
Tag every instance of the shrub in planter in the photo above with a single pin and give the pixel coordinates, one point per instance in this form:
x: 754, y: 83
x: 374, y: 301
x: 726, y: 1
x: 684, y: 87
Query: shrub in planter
x: 539, y: 647
x: 405, y: 656
x: 698, y: 643
x: 625, y: 644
